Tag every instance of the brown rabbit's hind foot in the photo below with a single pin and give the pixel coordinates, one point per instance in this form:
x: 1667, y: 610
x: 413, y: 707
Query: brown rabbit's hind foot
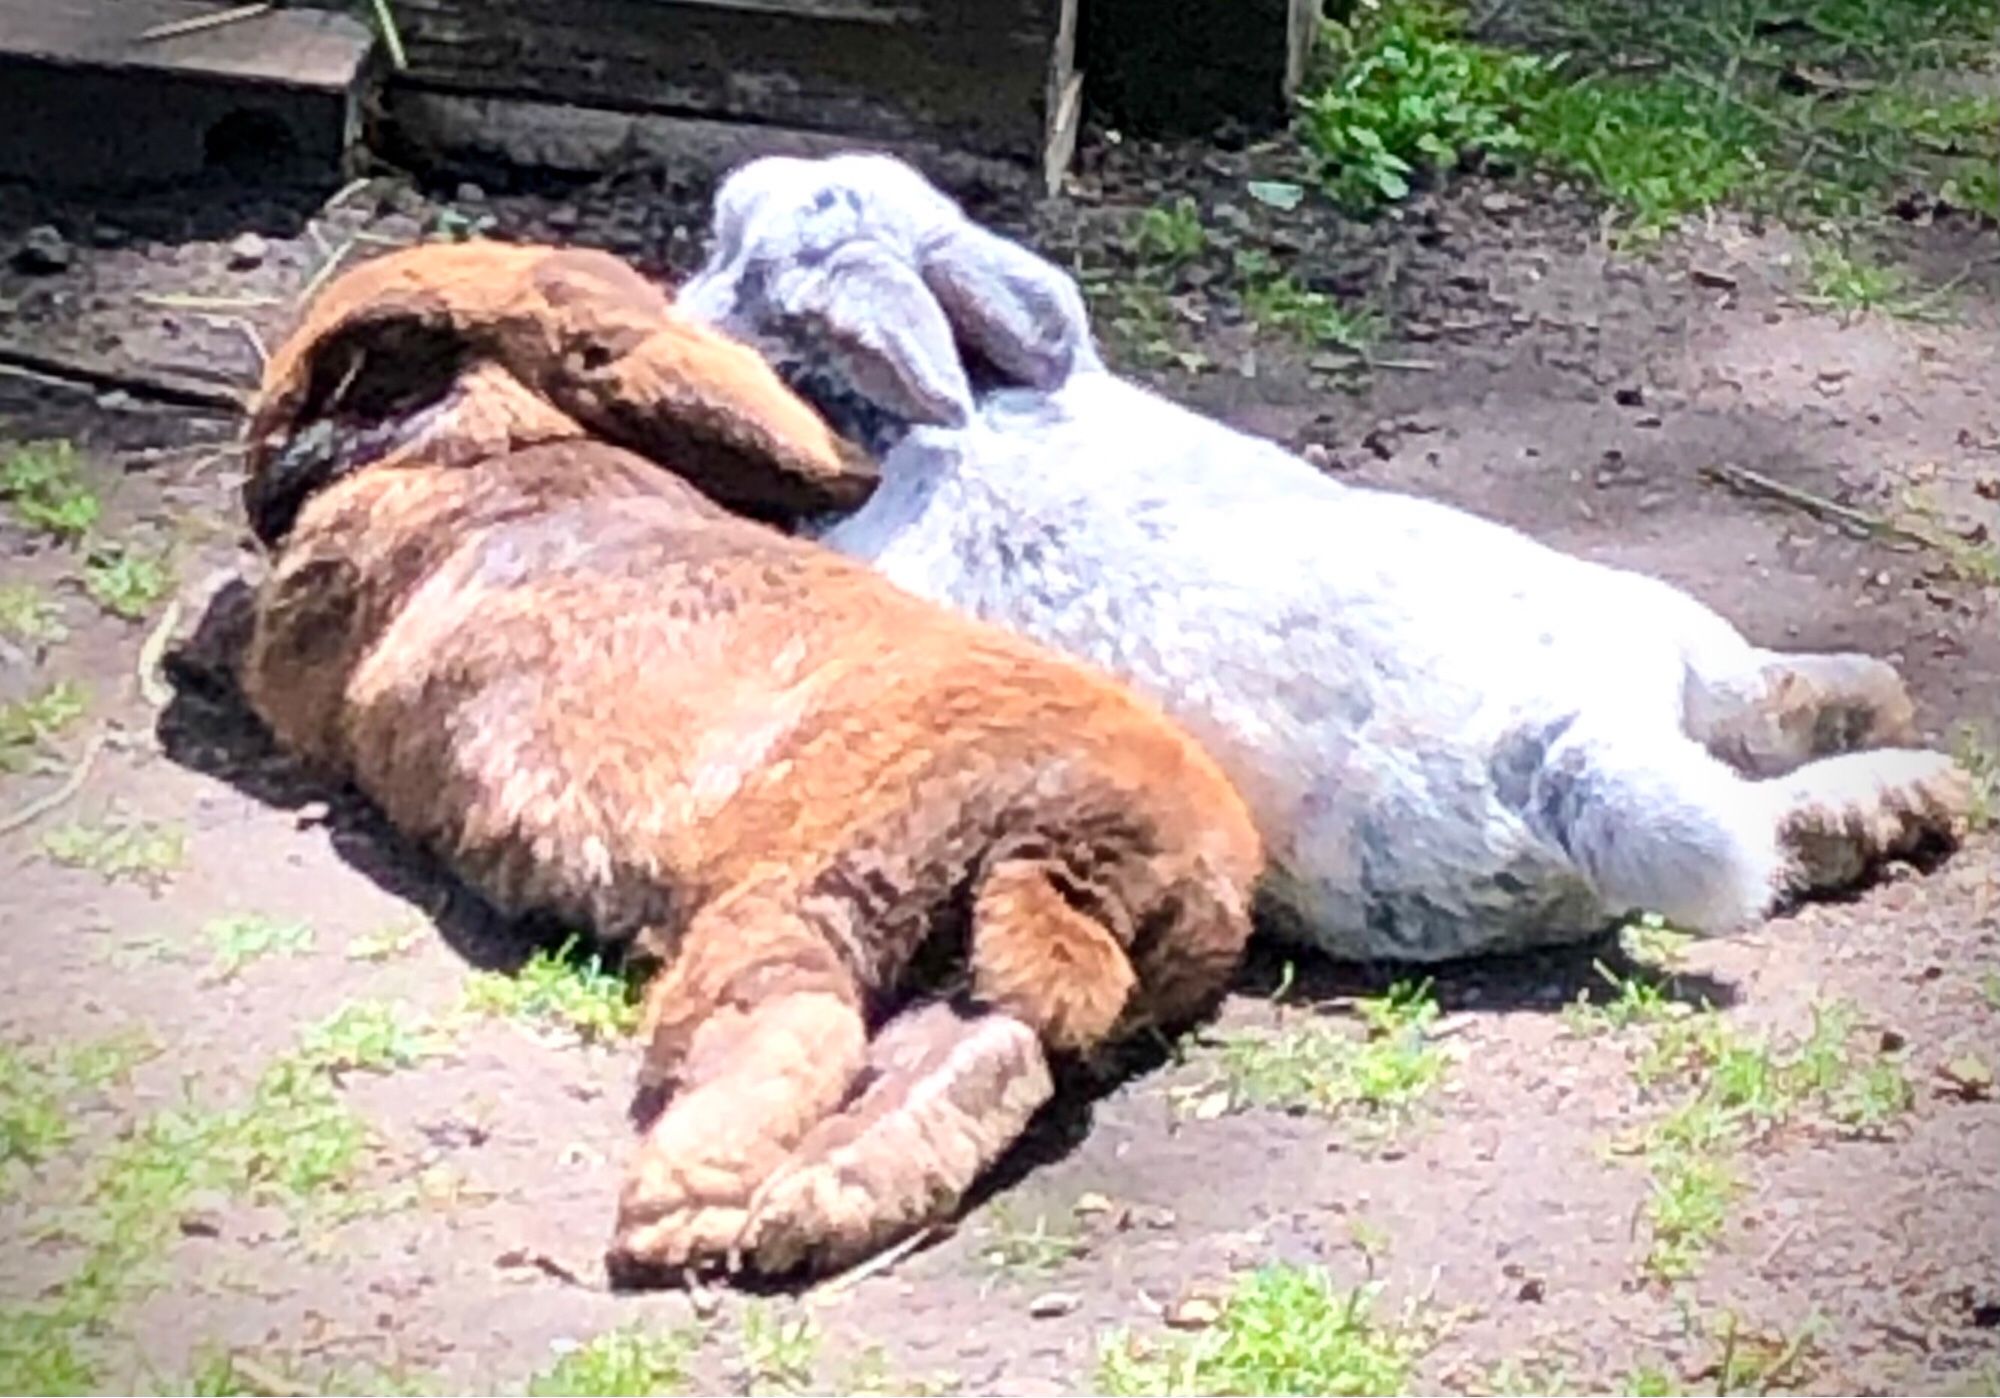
x: 748, y: 1086
x: 946, y: 1092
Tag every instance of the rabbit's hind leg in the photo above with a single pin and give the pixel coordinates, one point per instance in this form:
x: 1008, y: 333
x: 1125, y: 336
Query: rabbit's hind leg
x: 754, y: 1032
x: 1786, y: 710
x: 1840, y: 815
x: 949, y: 1088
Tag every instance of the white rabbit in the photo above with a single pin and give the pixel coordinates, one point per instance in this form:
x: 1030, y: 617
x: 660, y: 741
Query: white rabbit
x: 1454, y: 739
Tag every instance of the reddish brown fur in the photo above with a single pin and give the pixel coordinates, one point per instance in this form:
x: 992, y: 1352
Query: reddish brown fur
x: 602, y: 696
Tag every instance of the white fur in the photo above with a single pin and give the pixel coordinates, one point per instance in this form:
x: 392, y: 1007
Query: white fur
x: 1454, y: 738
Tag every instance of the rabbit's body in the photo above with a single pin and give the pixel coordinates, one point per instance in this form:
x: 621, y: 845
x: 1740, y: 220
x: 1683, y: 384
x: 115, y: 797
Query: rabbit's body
x: 601, y: 697
x: 1454, y: 738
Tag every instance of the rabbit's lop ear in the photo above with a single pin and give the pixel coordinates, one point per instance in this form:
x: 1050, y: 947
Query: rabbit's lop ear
x: 872, y: 312
x: 1023, y: 316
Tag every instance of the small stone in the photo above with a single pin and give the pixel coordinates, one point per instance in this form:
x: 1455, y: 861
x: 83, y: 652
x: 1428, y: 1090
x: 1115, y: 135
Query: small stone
x: 1159, y: 1218
x: 1533, y: 1289
x: 1499, y: 202
x: 1630, y: 397
x: 1193, y: 1313
x: 200, y: 1223
x: 43, y: 252
x: 1054, y: 1303
x: 1968, y: 1077
x: 470, y: 193
x: 1092, y: 1203
x: 247, y: 250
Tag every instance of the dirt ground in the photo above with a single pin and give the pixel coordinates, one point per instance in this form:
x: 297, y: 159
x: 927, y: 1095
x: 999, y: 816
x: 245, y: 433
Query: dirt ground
x: 1527, y: 372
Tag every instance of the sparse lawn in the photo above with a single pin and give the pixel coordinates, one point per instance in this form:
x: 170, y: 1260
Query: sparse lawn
x: 371, y: 1036
x: 1309, y: 1064
x: 1283, y: 1330
x: 1730, y: 1092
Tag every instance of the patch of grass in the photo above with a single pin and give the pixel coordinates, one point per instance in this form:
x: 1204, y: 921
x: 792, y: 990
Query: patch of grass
x: 1733, y: 1092
x: 1827, y: 108
x: 1319, y: 1067
x: 1283, y: 1330
x: 1278, y: 302
x: 29, y: 726
x: 1028, y: 1249
x: 125, y: 581
x: 1979, y: 755
x: 27, y: 615
x: 625, y: 1361
x: 120, y: 848
x: 1842, y: 277
x: 1659, y: 149
x: 370, y: 1036
x: 1637, y: 1000
x: 39, y: 1084
x: 40, y: 1353
x: 42, y: 484
x: 1171, y: 233
x: 558, y: 990
x: 243, y: 939
x: 780, y: 1352
x: 1733, y: 1358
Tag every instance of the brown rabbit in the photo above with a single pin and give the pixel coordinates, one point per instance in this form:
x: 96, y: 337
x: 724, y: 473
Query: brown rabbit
x: 601, y: 696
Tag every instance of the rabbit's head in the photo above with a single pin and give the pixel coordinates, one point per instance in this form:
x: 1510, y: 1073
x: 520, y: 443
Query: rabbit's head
x: 877, y: 298
x: 457, y: 353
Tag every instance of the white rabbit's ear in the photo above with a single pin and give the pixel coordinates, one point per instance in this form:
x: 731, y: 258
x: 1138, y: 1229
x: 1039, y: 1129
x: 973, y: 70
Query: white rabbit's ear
x: 869, y: 308
x: 1024, y: 316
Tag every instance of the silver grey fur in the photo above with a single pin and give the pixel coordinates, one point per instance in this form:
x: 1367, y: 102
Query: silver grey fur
x: 1455, y: 739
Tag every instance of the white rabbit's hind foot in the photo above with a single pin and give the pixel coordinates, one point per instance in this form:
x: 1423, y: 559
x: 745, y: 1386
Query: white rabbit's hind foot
x: 1843, y: 815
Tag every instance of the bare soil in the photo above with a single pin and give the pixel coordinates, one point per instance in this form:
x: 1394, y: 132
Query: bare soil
x: 1532, y: 374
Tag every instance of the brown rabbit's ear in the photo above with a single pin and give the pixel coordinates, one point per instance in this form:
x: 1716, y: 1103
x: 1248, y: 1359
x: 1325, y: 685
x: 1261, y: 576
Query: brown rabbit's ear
x: 620, y: 359
x: 1024, y: 316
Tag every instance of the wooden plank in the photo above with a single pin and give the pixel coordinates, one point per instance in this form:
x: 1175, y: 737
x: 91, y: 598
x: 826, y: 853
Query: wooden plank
x: 973, y: 71
x: 292, y: 48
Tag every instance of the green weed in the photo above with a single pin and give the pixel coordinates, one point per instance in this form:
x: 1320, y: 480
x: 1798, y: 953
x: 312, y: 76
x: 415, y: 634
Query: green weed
x: 1979, y: 755
x: 1322, y: 1068
x: 1283, y: 1330
x: 1028, y: 1249
x: 370, y: 1036
x: 29, y: 726
x: 779, y: 1352
x: 243, y: 939
x: 27, y: 615
x: 1404, y: 91
x: 870, y: 1374
x: 221, y: 1373
x: 126, y: 582
x: 618, y: 1362
x: 388, y: 943
x: 1278, y: 302
x: 1170, y: 233
x: 1639, y: 1000
x: 1840, y: 277
x: 556, y: 990
x: 42, y: 484
x: 119, y: 848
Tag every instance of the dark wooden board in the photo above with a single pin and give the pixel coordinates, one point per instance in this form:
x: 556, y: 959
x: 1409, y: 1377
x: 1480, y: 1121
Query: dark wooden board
x: 976, y: 72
